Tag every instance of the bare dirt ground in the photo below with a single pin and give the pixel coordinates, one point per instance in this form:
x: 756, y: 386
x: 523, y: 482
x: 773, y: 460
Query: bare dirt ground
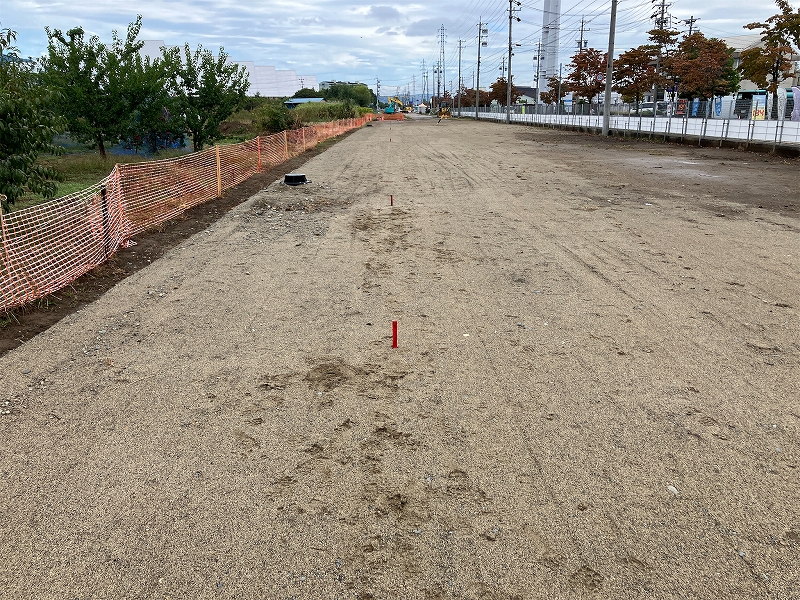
x: 595, y: 394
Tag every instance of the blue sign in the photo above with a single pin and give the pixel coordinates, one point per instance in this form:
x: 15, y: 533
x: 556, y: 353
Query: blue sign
x: 718, y: 106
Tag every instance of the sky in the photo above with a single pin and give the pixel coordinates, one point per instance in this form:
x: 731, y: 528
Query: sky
x: 368, y: 41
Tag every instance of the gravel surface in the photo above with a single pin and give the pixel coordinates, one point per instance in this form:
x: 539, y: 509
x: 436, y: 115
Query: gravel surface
x: 595, y: 393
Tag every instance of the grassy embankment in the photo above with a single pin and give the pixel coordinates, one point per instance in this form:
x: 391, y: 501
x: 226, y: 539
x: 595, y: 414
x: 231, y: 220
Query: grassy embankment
x: 82, y: 167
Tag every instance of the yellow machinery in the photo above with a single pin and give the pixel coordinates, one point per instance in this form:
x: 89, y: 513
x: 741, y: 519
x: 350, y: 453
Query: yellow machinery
x: 444, y: 110
x: 395, y: 105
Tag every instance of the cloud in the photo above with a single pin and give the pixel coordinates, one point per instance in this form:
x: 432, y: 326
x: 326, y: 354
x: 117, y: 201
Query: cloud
x: 384, y: 13
x: 424, y: 28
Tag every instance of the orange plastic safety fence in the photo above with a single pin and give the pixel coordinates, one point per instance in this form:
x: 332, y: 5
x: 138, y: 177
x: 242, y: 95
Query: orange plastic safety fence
x: 48, y: 246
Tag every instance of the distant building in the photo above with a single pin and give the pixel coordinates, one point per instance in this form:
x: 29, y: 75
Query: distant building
x: 528, y: 95
x: 264, y: 81
x: 740, y: 43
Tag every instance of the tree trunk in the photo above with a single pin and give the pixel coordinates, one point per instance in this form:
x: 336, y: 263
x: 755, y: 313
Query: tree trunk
x: 101, y: 146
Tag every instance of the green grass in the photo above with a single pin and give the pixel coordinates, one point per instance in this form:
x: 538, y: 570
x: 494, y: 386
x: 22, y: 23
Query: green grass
x: 81, y: 170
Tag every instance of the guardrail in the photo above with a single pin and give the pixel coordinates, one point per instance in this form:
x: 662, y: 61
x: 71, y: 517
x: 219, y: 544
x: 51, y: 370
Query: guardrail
x: 46, y: 247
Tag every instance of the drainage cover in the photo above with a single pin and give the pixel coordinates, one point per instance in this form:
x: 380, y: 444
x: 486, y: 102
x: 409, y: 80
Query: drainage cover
x: 295, y: 179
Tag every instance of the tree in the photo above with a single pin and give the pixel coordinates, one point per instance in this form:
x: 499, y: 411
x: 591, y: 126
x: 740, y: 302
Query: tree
x: 635, y: 73
x: 91, y: 79
x: 468, y: 97
x: 782, y: 29
x: 771, y: 63
x: 152, y: 113
x: 587, y: 75
x: 27, y: 126
x: 554, y: 86
x: 767, y: 66
x: 359, y: 94
x: 703, y: 67
x: 207, y: 90
x: 306, y: 93
x: 664, y: 42
x: 499, y: 92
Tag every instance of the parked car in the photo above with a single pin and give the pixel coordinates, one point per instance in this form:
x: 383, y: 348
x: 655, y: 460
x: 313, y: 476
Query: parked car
x: 646, y: 109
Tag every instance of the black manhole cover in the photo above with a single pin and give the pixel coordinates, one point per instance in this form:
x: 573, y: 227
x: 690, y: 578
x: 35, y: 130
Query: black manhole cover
x: 295, y: 179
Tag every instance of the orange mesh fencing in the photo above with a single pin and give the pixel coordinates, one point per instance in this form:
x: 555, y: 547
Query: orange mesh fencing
x: 48, y: 246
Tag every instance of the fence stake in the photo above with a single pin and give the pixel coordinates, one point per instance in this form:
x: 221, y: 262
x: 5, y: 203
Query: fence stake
x: 304, y: 138
x: 286, y: 144
x: 258, y: 139
x: 219, y: 174
x: 104, y: 213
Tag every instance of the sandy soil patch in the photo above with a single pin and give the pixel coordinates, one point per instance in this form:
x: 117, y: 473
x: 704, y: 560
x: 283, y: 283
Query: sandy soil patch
x: 595, y: 393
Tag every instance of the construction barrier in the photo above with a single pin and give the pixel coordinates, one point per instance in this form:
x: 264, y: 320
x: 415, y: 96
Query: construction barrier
x: 48, y: 246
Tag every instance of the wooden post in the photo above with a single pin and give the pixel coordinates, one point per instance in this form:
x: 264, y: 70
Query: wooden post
x: 304, y: 138
x: 219, y: 174
x: 286, y: 144
x: 259, y: 153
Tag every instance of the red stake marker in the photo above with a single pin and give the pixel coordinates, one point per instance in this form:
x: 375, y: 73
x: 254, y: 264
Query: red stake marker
x: 394, y: 334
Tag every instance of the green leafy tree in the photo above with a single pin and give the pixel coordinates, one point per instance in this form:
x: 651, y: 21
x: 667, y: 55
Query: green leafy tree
x: 152, y: 111
x: 587, y: 73
x: 635, y: 73
x: 207, y: 90
x: 360, y: 94
x: 307, y: 93
x: 703, y: 67
x: 27, y: 126
x: 92, y: 82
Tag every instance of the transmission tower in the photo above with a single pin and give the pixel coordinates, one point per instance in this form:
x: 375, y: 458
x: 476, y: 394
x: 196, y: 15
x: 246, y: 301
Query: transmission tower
x: 442, y: 59
x: 424, y: 81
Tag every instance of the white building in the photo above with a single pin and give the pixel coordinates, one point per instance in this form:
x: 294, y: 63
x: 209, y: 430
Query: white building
x: 264, y: 81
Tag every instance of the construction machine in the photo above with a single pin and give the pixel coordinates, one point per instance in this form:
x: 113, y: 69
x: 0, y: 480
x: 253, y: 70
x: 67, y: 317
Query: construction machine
x: 395, y: 106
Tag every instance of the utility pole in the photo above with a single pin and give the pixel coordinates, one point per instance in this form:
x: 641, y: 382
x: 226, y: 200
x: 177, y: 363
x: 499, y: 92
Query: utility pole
x: 661, y: 19
x: 560, y: 76
x: 503, y: 67
x: 483, y: 33
x: 610, y: 69
x: 442, y: 58
x: 413, y: 89
x: 690, y: 22
x: 538, y: 59
x: 511, y: 17
x: 460, y: 42
x: 438, y: 72
x: 377, y: 93
x: 582, y: 42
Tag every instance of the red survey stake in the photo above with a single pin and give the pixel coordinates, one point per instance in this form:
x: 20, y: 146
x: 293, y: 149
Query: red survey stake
x: 394, y: 334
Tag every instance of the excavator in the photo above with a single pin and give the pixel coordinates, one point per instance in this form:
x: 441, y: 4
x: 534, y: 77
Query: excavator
x: 395, y: 106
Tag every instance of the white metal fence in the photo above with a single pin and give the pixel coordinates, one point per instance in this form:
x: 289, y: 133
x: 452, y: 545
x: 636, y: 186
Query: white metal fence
x: 697, y: 125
